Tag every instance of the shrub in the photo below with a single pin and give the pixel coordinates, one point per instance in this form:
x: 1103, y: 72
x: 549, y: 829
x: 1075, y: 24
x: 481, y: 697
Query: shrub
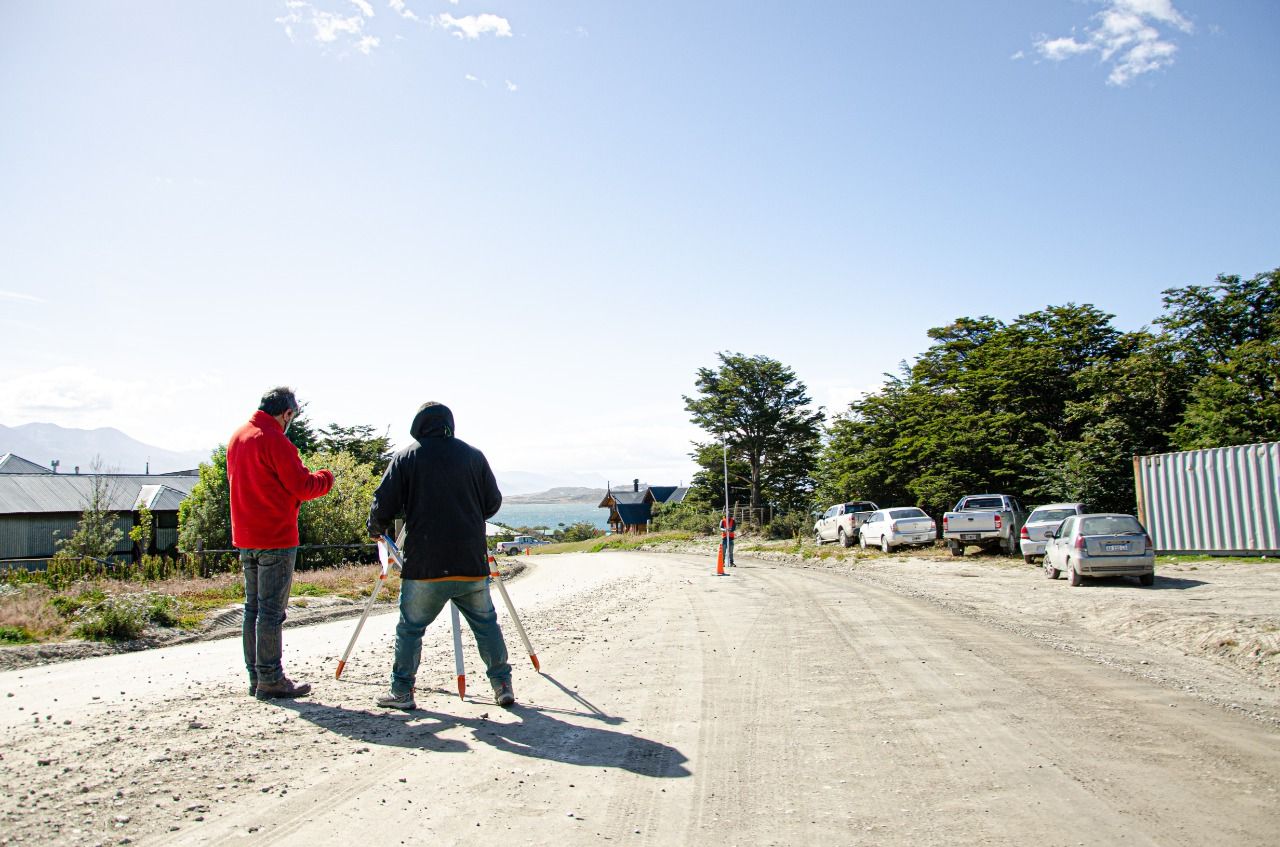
x: 117, y: 618
x: 161, y: 609
x: 15, y: 635
x: 580, y: 531
x: 691, y: 517
x: 790, y: 525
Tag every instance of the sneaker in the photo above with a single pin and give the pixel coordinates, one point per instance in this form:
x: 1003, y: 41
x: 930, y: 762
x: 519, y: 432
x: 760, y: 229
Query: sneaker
x: 284, y: 689
x: 253, y: 686
x: 503, y: 693
x: 392, y: 700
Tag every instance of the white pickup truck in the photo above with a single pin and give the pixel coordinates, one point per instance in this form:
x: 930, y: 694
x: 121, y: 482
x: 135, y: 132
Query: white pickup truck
x: 841, y: 522
x: 990, y: 521
x: 518, y: 545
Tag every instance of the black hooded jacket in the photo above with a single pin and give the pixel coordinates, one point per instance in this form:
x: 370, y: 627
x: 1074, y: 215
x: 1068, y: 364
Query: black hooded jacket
x: 445, y: 490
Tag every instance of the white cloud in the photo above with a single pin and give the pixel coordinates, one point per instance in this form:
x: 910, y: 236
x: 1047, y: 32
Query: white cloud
x: 19, y: 297
x: 511, y: 86
x: 399, y: 7
x: 331, y: 27
x: 473, y: 26
x: 1131, y: 35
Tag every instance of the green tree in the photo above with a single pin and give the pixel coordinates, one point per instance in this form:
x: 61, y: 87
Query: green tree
x: 141, y: 532
x: 365, y: 447
x: 96, y: 535
x: 340, y: 516
x: 761, y: 409
x: 303, y: 434
x: 1228, y: 336
x: 205, y: 515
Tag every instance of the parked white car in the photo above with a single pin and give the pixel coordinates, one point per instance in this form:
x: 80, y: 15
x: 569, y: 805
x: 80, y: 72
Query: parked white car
x: 903, y: 527
x: 842, y: 521
x: 518, y: 544
x: 1042, y: 521
x: 1100, y: 545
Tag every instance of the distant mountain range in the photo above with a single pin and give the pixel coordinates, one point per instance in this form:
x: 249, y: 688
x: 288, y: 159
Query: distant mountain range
x: 562, y: 494
x: 43, y: 442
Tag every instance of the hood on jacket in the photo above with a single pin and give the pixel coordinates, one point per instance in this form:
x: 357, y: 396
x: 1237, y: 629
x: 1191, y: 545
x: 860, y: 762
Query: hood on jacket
x: 434, y: 420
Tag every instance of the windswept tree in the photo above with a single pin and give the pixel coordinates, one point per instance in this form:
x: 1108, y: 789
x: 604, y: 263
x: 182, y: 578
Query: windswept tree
x: 359, y: 441
x: 761, y: 410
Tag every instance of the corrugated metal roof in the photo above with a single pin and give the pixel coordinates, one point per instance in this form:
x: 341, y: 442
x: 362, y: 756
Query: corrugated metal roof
x: 45, y: 493
x: 13, y: 463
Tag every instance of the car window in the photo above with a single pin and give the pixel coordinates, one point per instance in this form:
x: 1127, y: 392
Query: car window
x: 1068, y: 526
x: 1110, y: 525
x: 860, y: 506
x: 983, y: 503
x: 907, y: 513
x: 873, y: 517
x: 1048, y: 515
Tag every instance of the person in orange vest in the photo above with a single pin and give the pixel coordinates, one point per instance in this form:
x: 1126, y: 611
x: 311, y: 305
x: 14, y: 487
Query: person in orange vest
x: 727, y: 532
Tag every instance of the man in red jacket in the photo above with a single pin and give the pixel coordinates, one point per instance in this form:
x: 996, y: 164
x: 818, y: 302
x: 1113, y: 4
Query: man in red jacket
x: 268, y: 483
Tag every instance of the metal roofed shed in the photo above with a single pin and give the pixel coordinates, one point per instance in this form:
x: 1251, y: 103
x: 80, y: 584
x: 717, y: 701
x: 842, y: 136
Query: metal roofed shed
x: 1221, y: 501
x: 38, y: 508
x: 13, y: 463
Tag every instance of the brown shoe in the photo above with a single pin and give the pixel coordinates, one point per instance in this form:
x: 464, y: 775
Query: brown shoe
x: 282, y: 690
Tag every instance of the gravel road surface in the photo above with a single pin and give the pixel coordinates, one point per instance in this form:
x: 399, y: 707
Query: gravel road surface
x: 777, y: 705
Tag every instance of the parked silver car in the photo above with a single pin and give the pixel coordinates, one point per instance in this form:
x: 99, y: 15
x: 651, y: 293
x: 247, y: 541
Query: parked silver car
x: 889, y: 528
x: 1100, y: 545
x: 1042, y: 521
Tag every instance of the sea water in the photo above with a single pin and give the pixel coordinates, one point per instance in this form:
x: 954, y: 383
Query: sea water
x: 551, y: 515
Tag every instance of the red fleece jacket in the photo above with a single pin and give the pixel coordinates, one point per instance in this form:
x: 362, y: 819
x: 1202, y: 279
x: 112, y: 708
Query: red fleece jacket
x: 268, y: 483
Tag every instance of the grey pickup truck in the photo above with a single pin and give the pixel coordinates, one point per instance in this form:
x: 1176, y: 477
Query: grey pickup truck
x: 989, y: 521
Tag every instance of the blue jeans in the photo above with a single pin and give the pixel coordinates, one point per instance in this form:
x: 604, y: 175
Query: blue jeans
x: 420, y: 601
x: 268, y: 574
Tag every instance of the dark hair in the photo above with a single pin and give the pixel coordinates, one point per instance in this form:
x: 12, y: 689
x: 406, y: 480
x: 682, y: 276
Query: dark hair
x: 278, y: 400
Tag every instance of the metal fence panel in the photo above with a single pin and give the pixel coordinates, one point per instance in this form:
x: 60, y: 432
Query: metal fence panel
x: 1224, y: 500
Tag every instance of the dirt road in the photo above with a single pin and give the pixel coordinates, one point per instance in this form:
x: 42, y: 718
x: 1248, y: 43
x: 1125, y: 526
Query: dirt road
x: 777, y: 705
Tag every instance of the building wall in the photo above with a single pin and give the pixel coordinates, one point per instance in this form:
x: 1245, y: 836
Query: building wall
x: 1225, y: 500
x: 33, y: 536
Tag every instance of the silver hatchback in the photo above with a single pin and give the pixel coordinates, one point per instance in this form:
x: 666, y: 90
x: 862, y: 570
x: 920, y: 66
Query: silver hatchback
x: 1042, y: 521
x: 1100, y: 545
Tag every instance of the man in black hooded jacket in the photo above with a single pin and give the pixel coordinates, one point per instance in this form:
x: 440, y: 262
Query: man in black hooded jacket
x: 446, y: 491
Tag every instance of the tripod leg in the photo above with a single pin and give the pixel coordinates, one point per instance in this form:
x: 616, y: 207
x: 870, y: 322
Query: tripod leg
x: 457, y: 651
x: 368, y: 607
x: 506, y: 598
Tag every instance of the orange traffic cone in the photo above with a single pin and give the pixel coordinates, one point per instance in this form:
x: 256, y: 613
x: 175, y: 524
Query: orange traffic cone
x: 720, y: 561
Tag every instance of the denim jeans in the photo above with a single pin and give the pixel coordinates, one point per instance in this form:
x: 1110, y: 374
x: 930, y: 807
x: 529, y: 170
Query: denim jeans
x: 420, y: 601
x: 268, y: 574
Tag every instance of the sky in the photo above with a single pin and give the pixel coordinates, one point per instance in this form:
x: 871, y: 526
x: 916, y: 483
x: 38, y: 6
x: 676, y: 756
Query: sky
x: 548, y: 215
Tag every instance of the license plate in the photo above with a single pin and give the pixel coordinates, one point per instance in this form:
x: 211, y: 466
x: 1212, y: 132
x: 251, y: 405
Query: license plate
x: 1116, y: 548
x: 969, y: 536
x: 920, y: 537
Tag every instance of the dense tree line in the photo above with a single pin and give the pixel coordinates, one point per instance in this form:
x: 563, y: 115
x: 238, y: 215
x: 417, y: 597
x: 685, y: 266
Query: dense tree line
x: 1053, y: 405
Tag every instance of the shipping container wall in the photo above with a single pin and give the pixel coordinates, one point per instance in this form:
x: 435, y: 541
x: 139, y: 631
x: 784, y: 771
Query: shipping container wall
x: 1224, y: 501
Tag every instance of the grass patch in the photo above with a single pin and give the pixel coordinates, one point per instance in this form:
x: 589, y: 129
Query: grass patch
x: 612, y: 542
x: 16, y: 635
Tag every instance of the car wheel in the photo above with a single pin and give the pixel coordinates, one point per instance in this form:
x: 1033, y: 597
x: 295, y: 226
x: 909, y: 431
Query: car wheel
x: 817, y: 538
x: 957, y: 549
x: 1147, y: 579
x: 862, y: 541
x: 1050, y: 571
x: 512, y: 551
x: 1030, y: 560
x: 885, y: 547
x: 1073, y: 575
x: 1008, y: 546
x: 845, y: 541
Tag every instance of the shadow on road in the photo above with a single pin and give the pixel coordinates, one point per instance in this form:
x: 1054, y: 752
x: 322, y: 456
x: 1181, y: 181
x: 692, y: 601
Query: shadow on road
x: 535, y: 734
